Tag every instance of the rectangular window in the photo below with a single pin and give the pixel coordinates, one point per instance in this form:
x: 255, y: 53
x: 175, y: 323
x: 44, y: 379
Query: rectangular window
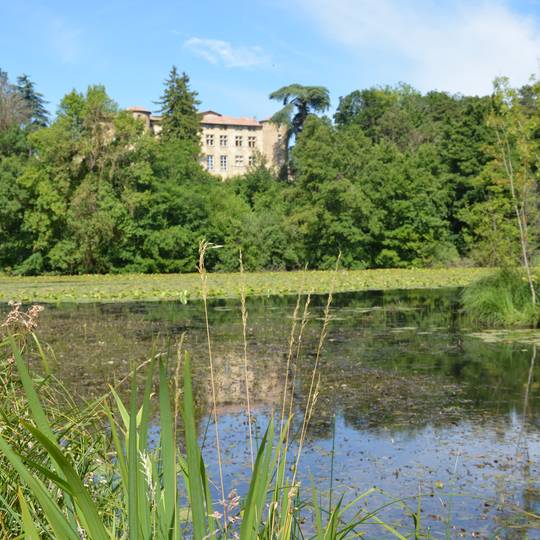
x: 210, y: 163
x: 223, y: 140
x: 223, y: 163
x: 238, y: 140
x: 251, y: 161
x: 239, y: 161
x: 209, y: 140
x: 251, y: 142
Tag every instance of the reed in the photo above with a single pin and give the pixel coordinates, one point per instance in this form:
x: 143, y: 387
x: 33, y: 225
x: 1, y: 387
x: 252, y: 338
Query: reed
x: 244, y: 312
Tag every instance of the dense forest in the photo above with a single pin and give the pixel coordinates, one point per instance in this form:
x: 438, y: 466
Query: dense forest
x: 396, y: 178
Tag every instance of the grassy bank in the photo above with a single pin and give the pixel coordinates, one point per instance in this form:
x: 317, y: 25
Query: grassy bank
x: 502, y: 299
x: 126, y: 287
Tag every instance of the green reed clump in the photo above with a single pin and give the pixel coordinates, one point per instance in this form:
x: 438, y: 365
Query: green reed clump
x: 502, y: 299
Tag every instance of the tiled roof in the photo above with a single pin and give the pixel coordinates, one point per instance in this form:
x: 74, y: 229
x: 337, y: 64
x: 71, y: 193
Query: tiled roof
x: 213, y: 118
x: 210, y: 117
x: 137, y: 108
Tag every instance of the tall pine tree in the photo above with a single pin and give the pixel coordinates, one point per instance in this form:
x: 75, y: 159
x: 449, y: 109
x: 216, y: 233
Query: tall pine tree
x: 14, y: 111
x: 179, y: 103
x: 39, y: 115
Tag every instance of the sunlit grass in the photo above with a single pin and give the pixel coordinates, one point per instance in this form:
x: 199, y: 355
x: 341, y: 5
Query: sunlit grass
x: 500, y: 299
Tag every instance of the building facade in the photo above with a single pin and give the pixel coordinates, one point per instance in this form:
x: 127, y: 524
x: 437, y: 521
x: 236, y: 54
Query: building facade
x: 230, y: 146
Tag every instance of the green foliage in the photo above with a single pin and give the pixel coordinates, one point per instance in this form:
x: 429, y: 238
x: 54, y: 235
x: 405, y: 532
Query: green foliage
x: 378, y: 205
x: 401, y: 179
x: 501, y: 299
x: 503, y: 214
x: 34, y: 100
x: 298, y: 103
x: 180, y: 119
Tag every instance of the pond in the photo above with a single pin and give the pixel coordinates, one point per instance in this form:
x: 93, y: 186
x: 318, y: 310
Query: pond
x: 409, y: 401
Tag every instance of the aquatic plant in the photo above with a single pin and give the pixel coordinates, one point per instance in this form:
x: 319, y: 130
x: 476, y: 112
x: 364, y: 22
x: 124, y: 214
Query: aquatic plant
x: 186, y: 287
x: 502, y: 298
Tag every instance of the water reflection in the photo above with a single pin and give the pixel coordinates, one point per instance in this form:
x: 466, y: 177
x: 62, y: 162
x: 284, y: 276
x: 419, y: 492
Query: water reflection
x: 419, y: 404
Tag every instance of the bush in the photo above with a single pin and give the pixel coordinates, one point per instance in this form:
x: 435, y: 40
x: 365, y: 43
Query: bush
x: 501, y: 299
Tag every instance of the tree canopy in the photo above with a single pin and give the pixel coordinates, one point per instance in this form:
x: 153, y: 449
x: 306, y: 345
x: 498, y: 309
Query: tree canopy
x: 298, y: 102
x: 398, y: 179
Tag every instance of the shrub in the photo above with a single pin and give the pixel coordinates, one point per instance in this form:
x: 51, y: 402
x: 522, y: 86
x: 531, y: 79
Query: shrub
x: 501, y: 299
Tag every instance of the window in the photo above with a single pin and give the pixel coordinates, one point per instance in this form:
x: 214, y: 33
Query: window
x: 238, y: 140
x: 210, y: 163
x: 239, y: 161
x: 223, y: 163
x: 209, y: 140
x: 251, y: 161
x: 223, y: 140
x: 251, y: 142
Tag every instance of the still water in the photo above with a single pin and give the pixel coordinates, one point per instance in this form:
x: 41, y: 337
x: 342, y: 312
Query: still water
x: 409, y: 402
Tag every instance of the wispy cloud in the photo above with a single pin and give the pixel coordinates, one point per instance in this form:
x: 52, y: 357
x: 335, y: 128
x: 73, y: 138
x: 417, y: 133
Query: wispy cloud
x: 225, y: 53
x: 65, y: 40
x: 452, y: 46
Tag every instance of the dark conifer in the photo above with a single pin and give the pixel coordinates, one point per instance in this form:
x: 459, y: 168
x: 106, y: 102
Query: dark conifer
x: 34, y: 100
x: 179, y: 103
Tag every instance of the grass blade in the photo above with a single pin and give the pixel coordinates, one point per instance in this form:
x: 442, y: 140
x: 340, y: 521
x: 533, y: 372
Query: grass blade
x: 30, y: 530
x: 38, y: 414
x: 84, y: 503
x: 196, y: 489
x: 133, y: 462
x: 58, y: 522
x: 168, y: 453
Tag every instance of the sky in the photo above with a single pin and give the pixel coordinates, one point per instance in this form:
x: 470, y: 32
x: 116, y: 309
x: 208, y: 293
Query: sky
x: 236, y: 52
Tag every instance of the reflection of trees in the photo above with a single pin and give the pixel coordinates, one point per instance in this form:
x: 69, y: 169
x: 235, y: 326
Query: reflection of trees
x: 391, y: 359
x: 530, y: 493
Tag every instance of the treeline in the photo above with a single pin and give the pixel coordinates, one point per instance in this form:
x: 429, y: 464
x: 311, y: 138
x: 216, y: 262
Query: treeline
x: 396, y: 179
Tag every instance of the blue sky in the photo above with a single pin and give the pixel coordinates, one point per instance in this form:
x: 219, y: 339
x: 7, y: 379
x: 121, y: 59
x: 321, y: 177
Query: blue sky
x: 238, y: 51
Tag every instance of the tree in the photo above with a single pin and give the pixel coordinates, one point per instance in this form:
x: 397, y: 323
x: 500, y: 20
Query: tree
x: 364, y: 108
x: 377, y: 205
x: 298, y: 102
x: 399, y: 114
x: 179, y: 109
x: 34, y: 101
x: 14, y: 110
x: 517, y: 153
x: 86, y: 185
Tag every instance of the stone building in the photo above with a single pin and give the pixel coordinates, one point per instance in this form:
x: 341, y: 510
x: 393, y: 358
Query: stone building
x: 230, y: 146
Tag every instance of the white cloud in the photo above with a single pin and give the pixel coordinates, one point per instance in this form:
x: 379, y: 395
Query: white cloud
x: 65, y: 40
x: 452, y: 46
x: 216, y: 51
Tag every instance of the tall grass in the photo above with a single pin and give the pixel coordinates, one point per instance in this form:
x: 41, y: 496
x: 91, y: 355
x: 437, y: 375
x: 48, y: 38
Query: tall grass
x: 501, y: 299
